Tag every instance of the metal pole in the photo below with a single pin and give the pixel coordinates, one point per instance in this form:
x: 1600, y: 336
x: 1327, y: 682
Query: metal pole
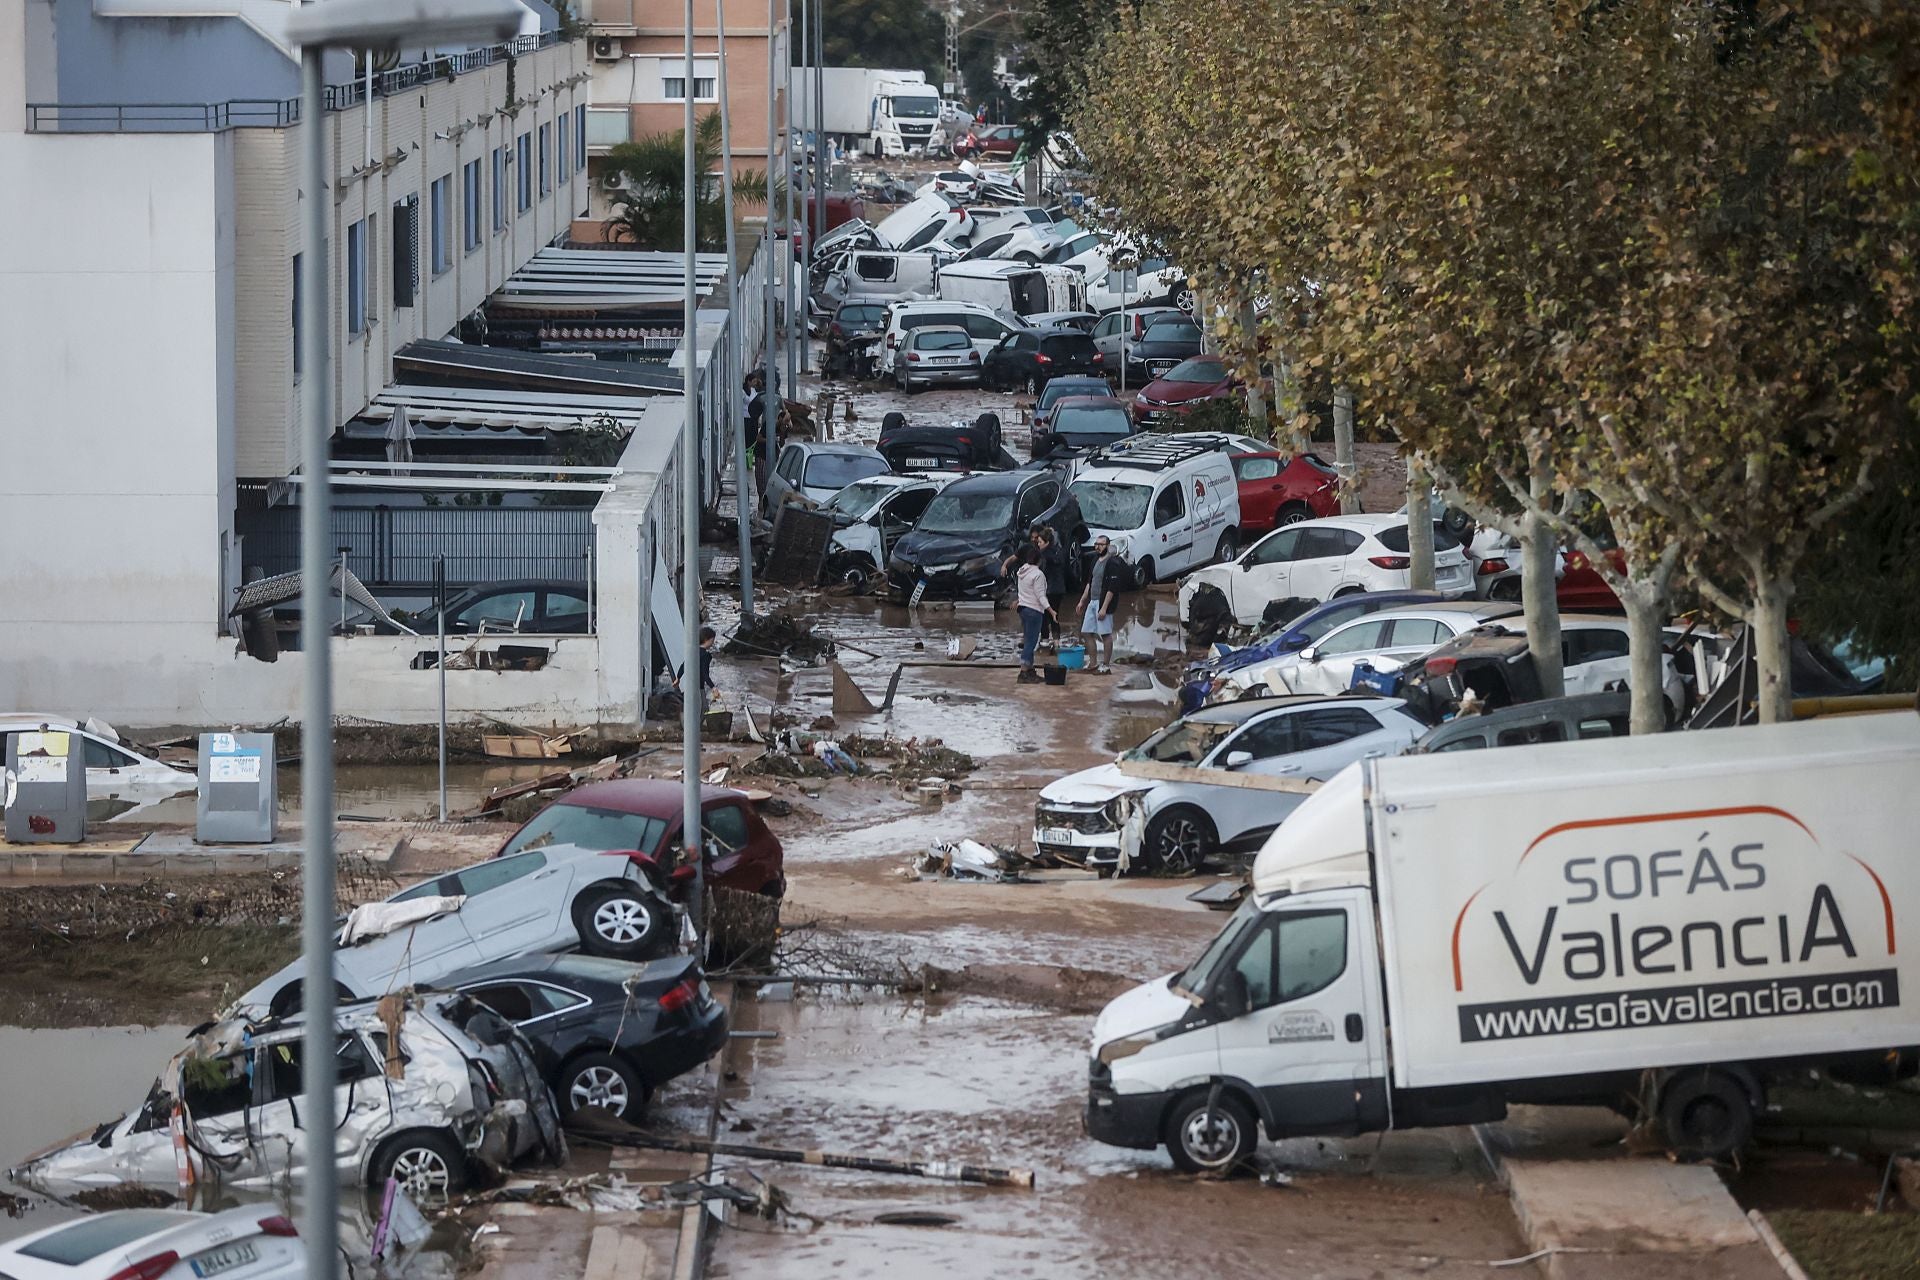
x: 736, y: 322
x: 343, y: 590
x: 823, y: 171
x: 809, y: 171
x: 787, y: 259
x: 692, y: 694
x: 1123, y: 333
x: 440, y: 613
x: 320, y: 1230
x: 769, y: 404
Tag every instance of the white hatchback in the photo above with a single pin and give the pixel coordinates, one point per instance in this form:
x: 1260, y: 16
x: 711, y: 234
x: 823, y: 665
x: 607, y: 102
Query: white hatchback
x: 1320, y: 559
x: 253, y: 1242
x: 1383, y: 641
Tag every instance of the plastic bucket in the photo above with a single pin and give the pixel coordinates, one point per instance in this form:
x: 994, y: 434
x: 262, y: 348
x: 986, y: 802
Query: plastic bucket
x: 1054, y: 674
x: 1073, y: 656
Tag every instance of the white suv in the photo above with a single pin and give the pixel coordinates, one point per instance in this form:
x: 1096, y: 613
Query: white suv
x: 1165, y: 504
x: 1320, y: 559
x: 984, y: 326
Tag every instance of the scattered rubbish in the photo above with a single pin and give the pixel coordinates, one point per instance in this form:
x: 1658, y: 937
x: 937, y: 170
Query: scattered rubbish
x: 944, y: 1170
x: 401, y: 1227
x: 848, y: 700
x: 960, y: 648
x: 915, y: 1218
x: 968, y: 860
x: 717, y: 778
x: 1221, y: 895
x: 798, y: 550
x: 932, y: 789
x: 834, y: 756
x: 612, y: 1193
x: 779, y: 634
x: 525, y: 744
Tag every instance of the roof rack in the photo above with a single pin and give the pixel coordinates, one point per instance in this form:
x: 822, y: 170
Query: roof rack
x: 1151, y: 452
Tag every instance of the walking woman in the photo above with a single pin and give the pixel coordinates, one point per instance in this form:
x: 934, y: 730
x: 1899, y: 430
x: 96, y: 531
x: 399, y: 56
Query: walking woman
x: 1030, y: 585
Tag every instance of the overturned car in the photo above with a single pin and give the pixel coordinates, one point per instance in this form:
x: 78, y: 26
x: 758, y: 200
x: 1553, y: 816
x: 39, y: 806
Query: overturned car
x: 429, y: 1086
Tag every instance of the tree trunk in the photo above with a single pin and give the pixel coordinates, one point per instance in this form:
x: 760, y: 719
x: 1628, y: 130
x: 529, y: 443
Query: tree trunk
x: 1646, y: 606
x: 1343, y: 453
x: 1256, y: 398
x: 1772, y: 652
x: 1419, y: 528
x: 1537, y: 588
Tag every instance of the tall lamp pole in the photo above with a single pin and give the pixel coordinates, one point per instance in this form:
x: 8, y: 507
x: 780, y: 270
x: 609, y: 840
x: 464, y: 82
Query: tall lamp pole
x: 315, y: 28
x: 787, y: 259
x: 692, y: 688
x: 736, y: 323
x: 769, y: 402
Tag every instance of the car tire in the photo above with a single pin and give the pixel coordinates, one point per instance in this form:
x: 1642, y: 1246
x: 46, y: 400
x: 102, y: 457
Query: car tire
x: 622, y: 924
x: 1186, y: 300
x: 1209, y: 1131
x: 426, y: 1162
x: 603, y: 1083
x: 1707, y: 1114
x: 1292, y: 513
x: 1177, y: 842
x: 1506, y: 589
x: 1144, y: 568
x: 1344, y: 592
x: 292, y: 997
x: 1228, y: 548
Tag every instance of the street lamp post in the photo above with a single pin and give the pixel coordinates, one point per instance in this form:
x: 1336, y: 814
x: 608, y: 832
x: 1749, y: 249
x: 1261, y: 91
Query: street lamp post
x: 315, y: 28
x: 736, y: 325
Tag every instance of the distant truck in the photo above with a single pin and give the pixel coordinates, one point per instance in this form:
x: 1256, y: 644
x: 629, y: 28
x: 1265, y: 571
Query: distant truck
x: 882, y: 112
x: 1657, y: 924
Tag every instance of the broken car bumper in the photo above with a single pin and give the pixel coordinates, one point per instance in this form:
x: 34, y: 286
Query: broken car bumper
x: 1125, y: 1119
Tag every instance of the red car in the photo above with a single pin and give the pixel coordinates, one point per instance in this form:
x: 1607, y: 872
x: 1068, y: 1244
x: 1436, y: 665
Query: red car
x: 1175, y: 393
x: 1581, y: 589
x: 1284, y: 488
x: 643, y: 814
x: 990, y: 140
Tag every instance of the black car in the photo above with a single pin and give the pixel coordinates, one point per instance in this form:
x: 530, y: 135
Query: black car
x: 957, y: 547
x: 856, y: 324
x: 917, y: 447
x: 1169, y: 340
x: 606, y: 1033
x: 1028, y: 359
x: 1072, y: 384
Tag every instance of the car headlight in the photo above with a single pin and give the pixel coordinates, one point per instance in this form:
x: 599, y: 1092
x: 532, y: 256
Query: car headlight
x: 976, y: 564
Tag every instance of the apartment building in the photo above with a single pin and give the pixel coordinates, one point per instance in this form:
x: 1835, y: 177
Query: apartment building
x: 640, y: 78
x: 149, y: 253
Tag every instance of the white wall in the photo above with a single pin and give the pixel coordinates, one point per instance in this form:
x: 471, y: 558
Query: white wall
x: 116, y: 347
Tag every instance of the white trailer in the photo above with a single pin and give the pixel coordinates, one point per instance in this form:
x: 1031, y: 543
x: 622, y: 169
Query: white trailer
x: 1657, y: 924
x: 847, y: 102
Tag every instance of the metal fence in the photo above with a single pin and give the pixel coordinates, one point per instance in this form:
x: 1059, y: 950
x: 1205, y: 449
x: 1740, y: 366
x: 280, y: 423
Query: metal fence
x: 392, y: 548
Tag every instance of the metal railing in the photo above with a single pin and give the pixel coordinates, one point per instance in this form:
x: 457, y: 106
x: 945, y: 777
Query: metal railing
x: 267, y: 113
x: 393, y: 548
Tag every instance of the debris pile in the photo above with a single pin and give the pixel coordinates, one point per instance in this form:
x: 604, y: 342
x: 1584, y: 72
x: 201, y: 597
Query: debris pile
x: 780, y: 635
x: 969, y: 860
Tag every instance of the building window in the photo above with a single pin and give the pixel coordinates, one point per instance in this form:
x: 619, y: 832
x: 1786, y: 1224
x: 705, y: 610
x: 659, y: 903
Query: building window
x: 500, y: 188
x: 441, y: 202
x: 523, y: 159
x: 298, y: 302
x: 674, y: 88
x: 470, y: 206
x: 604, y: 127
x: 357, y: 277
x: 580, y: 134
x: 546, y: 161
x: 560, y: 134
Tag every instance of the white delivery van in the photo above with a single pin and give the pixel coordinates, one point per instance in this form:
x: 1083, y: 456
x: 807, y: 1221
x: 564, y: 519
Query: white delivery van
x: 1706, y: 908
x: 1165, y: 504
x: 1013, y: 287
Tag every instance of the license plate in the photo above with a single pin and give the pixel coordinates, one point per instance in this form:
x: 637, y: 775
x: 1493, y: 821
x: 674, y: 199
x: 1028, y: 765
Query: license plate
x: 1056, y: 835
x: 919, y: 590
x: 944, y: 360
x: 928, y: 463
x: 219, y: 1260
x: 1159, y: 366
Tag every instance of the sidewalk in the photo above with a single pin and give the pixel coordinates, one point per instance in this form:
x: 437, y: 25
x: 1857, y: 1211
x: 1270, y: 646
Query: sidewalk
x: 1599, y: 1213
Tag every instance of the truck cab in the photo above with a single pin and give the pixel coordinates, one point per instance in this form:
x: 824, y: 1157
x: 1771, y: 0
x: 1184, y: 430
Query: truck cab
x: 902, y: 117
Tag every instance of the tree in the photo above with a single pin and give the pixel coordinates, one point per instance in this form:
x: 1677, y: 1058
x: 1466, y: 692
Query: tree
x: 902, y: 35
x: 1058, y: 39
x: 649, y: 212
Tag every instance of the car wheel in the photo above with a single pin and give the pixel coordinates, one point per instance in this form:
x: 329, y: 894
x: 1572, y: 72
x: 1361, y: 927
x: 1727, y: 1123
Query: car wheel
x: 290, y: 998
x: 1185, y: 300
x: 1507, y: 589
x: 1292, y: 513
x: 425, y: 1163
x: 1343, y: 592
x: 1176, y: 842
x: 857, y: 575
x: 600, y: 1082
x: 622, y: 923
x: 1707, y: 1115
x: 1229, y: 548
x: 1145, y: 569
x: 1031, y: 384
x: 1209, y: 1132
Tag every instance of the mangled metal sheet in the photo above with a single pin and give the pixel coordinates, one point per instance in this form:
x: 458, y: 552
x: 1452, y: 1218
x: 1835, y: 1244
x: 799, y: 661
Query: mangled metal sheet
x: 281, y: 588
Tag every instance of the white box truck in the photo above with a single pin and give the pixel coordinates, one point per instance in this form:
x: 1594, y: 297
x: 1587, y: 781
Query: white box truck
x: 1655, y: 924
x: 847, y: 100
x: 883, y: 111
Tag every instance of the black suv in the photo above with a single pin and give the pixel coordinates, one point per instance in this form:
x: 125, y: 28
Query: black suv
x: 957, y: 547
x: 1027, y: 359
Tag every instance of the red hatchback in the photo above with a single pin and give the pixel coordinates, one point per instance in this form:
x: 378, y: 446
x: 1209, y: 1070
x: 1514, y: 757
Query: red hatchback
x: 643, y: 814
x: 1284, y: 488
x: 1178, y: 391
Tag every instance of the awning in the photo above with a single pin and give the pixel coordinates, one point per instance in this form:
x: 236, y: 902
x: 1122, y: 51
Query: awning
x: 462, y: 366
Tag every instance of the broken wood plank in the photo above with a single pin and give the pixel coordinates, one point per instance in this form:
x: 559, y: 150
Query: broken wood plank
x: 1154, y: 771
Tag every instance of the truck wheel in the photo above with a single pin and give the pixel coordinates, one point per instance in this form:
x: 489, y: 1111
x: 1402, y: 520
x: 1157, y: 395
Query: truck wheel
x: 1176, y: 842
x: 1707, y: 1115
x: 622, y: 923
x: 426, y: 1163
x: 1209, y: 1134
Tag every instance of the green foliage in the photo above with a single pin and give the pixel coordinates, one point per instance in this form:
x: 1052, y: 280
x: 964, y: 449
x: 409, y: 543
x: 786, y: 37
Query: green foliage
x: 1059, y: 47
x: 903, y: 35
x: 650, y: 212
x: 1863, y: 581
x: 1229, y: 415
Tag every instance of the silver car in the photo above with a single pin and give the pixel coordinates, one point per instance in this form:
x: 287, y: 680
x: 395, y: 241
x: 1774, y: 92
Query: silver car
x: 936, y: 354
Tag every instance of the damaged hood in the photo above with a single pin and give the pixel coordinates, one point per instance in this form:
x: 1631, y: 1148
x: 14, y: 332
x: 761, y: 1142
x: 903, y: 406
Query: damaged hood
x: 1149, y: 1005
x: 1093, y: 786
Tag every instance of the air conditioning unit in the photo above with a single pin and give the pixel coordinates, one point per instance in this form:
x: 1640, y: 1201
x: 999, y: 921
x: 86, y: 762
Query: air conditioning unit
x: 606, y: 49
x: 613, y: 182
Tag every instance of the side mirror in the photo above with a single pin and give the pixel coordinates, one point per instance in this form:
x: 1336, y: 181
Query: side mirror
x: 1310, y: 654
x: 1238, y: 759
x: 1230, y: 997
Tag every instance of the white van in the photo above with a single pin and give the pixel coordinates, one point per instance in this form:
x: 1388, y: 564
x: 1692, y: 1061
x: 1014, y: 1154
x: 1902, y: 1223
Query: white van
x: 884, y: 273
x: 1011, y: 286
x: 985, y: 326
x: 1675, y: 918
x: 1165, y: 504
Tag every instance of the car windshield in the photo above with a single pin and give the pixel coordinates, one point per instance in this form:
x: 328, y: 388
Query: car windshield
x: 916, y: 108
x: 1195, y: 371
x: 1172, y: 330
x: 1060, y: 388
x: 1182, y: 742
x: 838, y: 470
x: 858, y: 499
x: 860, y: 315
x: 965, y: 513
x: 940, y: 340
x: 1194, y: 979
x: 588, y: 828
x: 1082, y: 426
x: 1108, y: 504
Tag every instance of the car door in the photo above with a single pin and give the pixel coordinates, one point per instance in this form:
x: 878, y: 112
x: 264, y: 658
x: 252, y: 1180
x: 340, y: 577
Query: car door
x: 1594, y: 657
x: 1258, y: 479
x: 786, y: 475
x: 1263, y: 746
x: 1172, y: 546
x: 1311, y: 1040
x: 1262, y: 575
x: 1318, y: 565
x: 515, y: 903
x: 986, y: 332
x: 1035, y: 502
x: 275, y: 1130
x: 726, y: 835
x: 1409, y: 638
x: 1331, y: 738
x: 1106, y: 337
x: 1330, y: 669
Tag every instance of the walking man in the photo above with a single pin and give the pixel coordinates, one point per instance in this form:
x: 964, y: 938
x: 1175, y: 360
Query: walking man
x: 1030, y: 586
x: 1096, y: 605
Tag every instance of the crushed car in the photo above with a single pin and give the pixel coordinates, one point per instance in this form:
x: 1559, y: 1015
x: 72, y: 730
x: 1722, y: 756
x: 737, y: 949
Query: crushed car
x: 429, y: 1087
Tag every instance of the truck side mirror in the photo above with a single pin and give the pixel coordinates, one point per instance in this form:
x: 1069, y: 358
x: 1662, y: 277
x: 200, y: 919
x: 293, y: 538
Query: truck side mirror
x: 1230, y: 998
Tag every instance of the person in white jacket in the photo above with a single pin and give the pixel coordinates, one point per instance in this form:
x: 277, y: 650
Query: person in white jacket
x: 1030, y: 591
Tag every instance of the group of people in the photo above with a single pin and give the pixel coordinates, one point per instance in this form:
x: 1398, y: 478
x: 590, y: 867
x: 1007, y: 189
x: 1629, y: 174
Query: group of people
x: 1040, y: 573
